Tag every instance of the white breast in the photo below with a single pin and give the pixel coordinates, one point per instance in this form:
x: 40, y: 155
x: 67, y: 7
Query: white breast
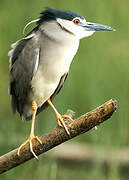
x: 57, y: 49
x: 53, y: 65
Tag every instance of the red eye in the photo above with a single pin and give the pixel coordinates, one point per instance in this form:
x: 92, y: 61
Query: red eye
x: 76, y: 21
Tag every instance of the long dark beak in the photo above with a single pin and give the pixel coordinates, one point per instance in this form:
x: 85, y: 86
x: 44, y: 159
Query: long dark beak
x: 96, y: 27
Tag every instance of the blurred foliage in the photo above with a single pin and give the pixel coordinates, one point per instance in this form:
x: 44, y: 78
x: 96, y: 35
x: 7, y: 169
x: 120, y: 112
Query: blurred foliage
x: 98, y: 73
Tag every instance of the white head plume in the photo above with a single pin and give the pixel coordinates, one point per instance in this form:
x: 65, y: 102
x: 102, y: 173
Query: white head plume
x: 29, y: 24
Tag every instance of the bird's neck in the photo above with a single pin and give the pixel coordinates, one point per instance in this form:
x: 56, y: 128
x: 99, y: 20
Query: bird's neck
x: 55, y: 32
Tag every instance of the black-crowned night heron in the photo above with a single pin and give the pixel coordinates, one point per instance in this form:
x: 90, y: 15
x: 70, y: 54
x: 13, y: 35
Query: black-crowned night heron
x: 40, y: 62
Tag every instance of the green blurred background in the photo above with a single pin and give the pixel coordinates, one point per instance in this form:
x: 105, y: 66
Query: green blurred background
x: 99, y: 72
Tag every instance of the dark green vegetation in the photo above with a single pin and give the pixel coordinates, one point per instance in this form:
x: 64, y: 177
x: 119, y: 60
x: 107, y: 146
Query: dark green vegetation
x: 99, y: 72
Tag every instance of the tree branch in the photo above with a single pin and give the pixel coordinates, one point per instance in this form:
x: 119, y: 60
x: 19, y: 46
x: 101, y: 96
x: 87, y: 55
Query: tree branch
x: 59, y: 135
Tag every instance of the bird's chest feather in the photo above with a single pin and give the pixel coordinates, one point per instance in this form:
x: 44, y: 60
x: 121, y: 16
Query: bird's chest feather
x: 53, y: 64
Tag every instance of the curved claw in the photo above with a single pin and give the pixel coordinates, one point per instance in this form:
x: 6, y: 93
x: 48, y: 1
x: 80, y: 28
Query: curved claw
x: 67, y: 117
x: 61, y: 122
x: 29, y: 140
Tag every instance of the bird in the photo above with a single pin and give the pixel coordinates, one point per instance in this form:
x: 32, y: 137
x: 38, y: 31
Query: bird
x: 40, y: 63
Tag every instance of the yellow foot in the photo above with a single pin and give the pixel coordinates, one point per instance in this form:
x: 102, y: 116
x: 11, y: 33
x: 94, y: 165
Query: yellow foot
x: 67, y: 117
x: 29, y: 140
x: 61, y: 122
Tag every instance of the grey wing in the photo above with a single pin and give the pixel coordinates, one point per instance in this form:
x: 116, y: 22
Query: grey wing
x: 23, y: 64
x: 45, y: 105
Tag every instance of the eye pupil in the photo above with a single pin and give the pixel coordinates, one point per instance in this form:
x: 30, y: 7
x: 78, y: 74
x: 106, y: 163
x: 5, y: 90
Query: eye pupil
x: 76, y: 21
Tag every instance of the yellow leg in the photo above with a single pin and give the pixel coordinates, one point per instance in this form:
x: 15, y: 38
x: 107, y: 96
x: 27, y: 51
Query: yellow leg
x: 31, y: 137
x: 60, y: 118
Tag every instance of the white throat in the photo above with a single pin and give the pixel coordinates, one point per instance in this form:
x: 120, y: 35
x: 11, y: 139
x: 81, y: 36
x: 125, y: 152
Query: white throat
x: 56, y: 32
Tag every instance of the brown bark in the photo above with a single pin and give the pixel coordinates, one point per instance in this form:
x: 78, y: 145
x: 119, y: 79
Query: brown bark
x: 58, y: 135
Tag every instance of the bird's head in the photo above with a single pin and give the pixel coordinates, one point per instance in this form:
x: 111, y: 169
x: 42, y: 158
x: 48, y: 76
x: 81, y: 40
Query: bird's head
x: 72, y: 22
